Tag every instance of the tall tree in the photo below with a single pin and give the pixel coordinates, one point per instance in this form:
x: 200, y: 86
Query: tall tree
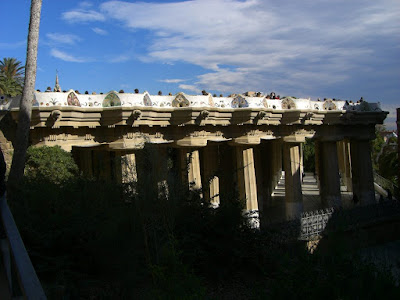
x: 11, y: 76
x: 25, y: 108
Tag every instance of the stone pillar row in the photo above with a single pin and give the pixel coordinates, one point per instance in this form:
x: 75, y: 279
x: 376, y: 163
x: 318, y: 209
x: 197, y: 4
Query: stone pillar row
x: 251, y: 172
x: 210, y: 169
x: 347, y: 162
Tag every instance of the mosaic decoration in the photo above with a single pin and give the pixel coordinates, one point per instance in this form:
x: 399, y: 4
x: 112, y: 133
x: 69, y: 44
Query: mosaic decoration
x: 180, y: 101
x: 288, y: 103
x: 72, y: 100
x: 265, y: 101
x: 210, y: 101
x: 147, y: 100
x: 111, y: 100
x: 364, y: 106
x: 329, y: 105
x: 239, y: 101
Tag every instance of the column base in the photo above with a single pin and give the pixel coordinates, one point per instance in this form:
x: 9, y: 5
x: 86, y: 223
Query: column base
x: 293, y: 210
x: 349, y: 184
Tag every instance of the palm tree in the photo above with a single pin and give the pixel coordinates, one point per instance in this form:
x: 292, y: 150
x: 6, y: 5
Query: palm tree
x: 11, y: 76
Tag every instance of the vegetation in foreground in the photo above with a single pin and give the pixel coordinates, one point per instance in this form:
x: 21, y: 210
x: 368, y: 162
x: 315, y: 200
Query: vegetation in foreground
x: 92, y: 240
x: 11, y: 76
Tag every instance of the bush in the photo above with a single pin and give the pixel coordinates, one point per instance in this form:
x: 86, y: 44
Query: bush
x: 96, y: 240
x: 50, y: 164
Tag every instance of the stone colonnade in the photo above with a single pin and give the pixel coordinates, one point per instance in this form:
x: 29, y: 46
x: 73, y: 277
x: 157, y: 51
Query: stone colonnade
x: 224, y: 169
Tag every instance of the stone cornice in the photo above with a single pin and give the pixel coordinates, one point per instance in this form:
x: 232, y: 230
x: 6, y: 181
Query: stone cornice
x: 71, y: 116
x: 128, y: 121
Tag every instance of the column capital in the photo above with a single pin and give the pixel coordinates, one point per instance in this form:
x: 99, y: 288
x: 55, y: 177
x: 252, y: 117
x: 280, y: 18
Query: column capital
x: 294, y: 138
x: 191, y: 142
x: 246, y: 140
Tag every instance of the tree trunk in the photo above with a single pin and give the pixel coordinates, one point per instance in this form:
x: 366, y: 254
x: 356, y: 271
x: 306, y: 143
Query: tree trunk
x: 25, y: 108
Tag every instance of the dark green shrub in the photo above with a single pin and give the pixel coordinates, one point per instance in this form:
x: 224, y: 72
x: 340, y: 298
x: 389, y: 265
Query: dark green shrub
x: 309, y: 155
x: 50, y: 164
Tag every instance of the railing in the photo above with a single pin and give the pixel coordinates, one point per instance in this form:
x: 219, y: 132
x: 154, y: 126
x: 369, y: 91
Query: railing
x: 323, y: 221
x: 317, y: 223
x: 13, y: 250
x: 386, y: 184
x: 314, y: 222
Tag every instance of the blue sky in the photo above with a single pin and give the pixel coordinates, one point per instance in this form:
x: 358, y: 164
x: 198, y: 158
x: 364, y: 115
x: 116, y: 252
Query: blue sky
x: 326, y: 48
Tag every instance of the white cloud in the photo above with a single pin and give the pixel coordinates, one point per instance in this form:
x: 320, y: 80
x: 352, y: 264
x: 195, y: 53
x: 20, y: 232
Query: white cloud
x: 189, y: 87
x: 99, y: 31
x: 253, y: 44
x: 13, y: 45
x: 85, y: 4
x: 120, y: 58
x: 263, y: 45
x: 67, y: 57
x: 172, y: 80
x: 60, y: 38
x: 390, y: 121
x: 82, y: 15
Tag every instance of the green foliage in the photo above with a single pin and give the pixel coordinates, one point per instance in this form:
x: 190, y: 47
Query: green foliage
x: 11, y: 77
x: 377, y: 145
x: 96, y: 240
x: 388, y: 165
x: 309, y: 155
x: 384, y: 156
x: 50, y: 164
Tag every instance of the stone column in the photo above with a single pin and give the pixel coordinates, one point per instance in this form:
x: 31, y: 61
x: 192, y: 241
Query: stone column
x: 247, y: 184
x: 228, y: 171
x: 190, y: 168
x: 128, y: 167
x: 293, y: 192
x: 276, y: 162
x: 86, y: 161
x: 263, y: 165
x: 104, y: 164
x: 329, y: 175
x: 301, y: 162
x: 317, y: 162
x: 347, y: 162
x: 211, y: 180
x: 363, y: 178
x: 273, y: 165
x: 160, y: 170
x: 344, y: 163
x: 342, y: 168
x: 267, y: 154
